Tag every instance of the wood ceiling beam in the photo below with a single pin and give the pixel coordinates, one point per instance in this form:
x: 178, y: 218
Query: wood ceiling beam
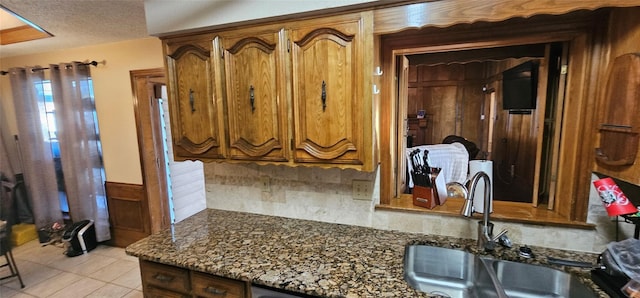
x: 20, y: 34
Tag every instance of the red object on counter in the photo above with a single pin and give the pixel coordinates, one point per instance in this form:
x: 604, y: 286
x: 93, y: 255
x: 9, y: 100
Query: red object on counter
x: 425, y: 197
x: 614, y: 200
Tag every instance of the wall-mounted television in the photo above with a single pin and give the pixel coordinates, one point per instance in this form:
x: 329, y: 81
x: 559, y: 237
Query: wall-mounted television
x: 520, y: 87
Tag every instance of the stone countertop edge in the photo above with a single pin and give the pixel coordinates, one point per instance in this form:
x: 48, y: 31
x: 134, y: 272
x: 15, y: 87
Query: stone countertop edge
x: 311, y: 257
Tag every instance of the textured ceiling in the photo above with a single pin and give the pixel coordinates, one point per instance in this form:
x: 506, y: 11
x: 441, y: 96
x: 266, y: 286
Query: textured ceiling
x: 76, y: 23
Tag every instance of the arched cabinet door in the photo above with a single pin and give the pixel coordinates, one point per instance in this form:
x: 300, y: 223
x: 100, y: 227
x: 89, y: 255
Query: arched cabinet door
x: 256, y: 95
x: 329, y: 110
x: 197, y: 125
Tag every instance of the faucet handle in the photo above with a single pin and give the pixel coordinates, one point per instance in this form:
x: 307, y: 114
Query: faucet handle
x: 503, y: 239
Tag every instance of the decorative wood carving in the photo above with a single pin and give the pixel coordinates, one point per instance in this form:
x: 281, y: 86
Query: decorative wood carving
x: 332, y: 34
x: 191, y: 49
x: 252, y: 41
x: 333, y: 152
x: 258, y: 150
x: 619, y: 132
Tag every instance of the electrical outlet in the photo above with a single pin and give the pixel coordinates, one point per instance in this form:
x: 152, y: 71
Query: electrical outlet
x: 361, y: 190
x: 265, y: 183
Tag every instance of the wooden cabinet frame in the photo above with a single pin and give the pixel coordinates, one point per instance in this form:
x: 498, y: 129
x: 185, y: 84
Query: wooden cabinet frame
x: 575, y: 157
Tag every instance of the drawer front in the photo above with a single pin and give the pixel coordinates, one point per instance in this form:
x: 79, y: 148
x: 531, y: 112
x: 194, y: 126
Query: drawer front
x: 153, y: 292
x: 165, y: 276
x: 208, y: 286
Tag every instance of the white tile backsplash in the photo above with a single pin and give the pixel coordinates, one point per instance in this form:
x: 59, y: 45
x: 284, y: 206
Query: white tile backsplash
x: 325, y: 195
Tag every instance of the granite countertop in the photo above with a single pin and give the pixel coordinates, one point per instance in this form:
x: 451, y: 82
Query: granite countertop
x: 310, y: 257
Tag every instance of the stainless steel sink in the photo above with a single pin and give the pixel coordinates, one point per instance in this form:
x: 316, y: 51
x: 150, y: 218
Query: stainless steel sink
x: 459, y: 274
x: 448, y: 272
x: 521, y: 280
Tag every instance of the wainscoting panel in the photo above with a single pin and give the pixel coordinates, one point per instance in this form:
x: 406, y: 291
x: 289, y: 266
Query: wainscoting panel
x: 128, y: 213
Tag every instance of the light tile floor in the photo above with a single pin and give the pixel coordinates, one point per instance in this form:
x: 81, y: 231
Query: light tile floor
x: 46, y: 272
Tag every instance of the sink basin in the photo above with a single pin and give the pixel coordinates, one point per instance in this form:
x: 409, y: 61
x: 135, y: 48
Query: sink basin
x: 459, y: 274
x: 525, y: 280
x: 447, y: 272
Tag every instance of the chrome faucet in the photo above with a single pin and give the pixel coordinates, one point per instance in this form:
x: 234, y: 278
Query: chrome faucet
x: 485, y: 227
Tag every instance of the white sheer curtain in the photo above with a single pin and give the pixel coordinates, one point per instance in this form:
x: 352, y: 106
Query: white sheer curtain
x: 78, y: 138
x: 38, y: 167
x: 79, y: 141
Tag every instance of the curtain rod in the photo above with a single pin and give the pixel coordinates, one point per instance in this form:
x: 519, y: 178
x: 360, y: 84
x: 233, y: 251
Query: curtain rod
x: 94, y: 63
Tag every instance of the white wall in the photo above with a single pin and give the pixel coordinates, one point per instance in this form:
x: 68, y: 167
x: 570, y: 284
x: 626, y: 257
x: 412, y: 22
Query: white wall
x: 167, y: 16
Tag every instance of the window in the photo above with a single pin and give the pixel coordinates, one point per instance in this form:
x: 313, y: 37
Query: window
x: 572, y: 181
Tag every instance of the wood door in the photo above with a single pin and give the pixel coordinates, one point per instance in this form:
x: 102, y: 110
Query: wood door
x: 403, y: 123
x: 136, y: 211
x: 328, y: 103
x: 196, y: 116
x: 256, y: 95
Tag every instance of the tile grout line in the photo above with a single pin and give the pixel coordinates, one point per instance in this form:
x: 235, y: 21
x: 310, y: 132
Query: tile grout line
x: 129, y: 291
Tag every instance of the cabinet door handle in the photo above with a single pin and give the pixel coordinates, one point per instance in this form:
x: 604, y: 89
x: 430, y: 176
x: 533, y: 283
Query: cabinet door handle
x: 163, y: 278
x: 324, y: 96
x: 215, y: 291
x: 252, y: 98
x: 192, y: 100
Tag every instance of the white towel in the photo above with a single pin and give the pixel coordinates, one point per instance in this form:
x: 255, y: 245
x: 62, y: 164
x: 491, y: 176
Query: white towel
x: 453, y: 159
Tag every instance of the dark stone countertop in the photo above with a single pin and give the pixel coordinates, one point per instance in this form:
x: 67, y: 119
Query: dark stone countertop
x: 310, y: 257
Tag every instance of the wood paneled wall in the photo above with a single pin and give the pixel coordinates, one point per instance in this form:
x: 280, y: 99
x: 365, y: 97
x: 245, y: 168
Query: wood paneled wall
x: 451, y: 96
x: 623, y: 38
x: 515, y: 136
x: 456, y: 104
x: 128, y: 213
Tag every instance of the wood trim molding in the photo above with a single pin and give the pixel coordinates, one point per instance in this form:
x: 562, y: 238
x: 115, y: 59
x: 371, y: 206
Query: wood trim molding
x: 574, y: 159
x: 451, y: 12
x: 150, y: 147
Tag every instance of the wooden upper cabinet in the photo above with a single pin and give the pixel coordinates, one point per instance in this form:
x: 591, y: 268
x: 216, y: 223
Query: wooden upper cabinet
x: 196, y: 121
x: 330, y: 108
x: 256, y: 94
x: 295, y: 93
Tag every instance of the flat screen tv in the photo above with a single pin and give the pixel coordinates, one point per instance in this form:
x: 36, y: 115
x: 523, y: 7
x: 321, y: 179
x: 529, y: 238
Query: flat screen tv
x: 520, y: 86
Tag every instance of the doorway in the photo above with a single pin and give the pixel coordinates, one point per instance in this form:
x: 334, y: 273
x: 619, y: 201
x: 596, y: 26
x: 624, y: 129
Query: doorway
x: 170, y: 191
x: 460, y: 92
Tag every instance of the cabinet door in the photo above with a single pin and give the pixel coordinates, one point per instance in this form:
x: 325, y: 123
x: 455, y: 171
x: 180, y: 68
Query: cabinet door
x: 256, y: 95
x: 160, y: 279
x: 153, y: 292
x: 328, y: 98
x: 196, y: 121
x: 209, y: 286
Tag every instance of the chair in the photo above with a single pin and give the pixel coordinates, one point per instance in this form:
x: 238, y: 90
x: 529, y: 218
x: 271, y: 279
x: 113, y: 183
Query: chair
x: 471, y: 147
x: 5, y: 231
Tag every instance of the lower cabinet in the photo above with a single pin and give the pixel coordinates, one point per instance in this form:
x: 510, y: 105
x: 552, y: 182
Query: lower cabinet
x: 159, y: 280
